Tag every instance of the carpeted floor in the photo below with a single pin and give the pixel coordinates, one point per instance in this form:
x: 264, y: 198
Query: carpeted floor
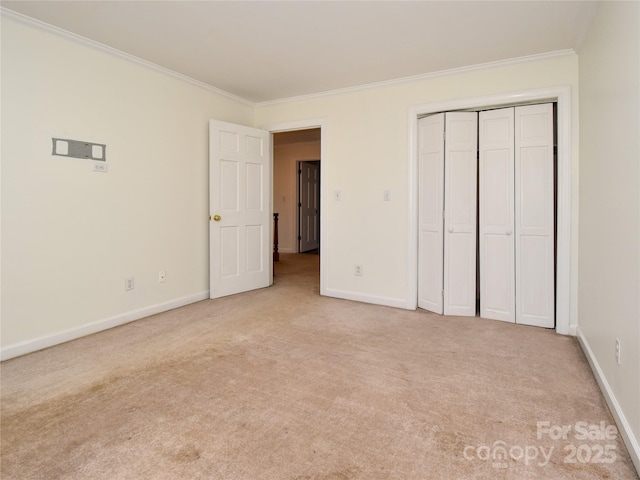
x: 281, y: 383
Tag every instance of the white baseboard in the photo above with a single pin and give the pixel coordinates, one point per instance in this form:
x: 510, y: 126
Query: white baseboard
x: 40, y: 343
x: 365, y: 298
x: 618, y: 414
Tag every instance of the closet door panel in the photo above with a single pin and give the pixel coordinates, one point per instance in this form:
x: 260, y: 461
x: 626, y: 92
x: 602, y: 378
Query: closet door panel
x: 535, y: 300
x: 461, y: 146
x: 431, y: 206
x: 497, y: 245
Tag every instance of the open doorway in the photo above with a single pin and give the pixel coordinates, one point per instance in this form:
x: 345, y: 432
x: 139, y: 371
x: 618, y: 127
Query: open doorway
x: 296, y: 152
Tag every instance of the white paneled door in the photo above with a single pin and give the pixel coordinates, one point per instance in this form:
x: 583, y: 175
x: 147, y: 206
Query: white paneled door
x: 534, y: 205
x: 502, y: 162
x: 460, y: 206
x: 239, y: 192
x: 431, y: 212
x: 447, y: 152
x: 517, y: 215
x: 497, y: 222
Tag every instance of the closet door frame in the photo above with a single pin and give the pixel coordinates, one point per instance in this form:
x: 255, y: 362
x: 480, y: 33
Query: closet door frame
x: 565, y: 300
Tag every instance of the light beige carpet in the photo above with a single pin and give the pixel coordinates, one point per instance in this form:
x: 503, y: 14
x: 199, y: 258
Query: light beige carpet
x: 281, y: 383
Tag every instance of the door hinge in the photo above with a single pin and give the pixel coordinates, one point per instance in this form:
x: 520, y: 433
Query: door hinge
x: 442, y: 293
x: 442, y: 213
x: 444, y: 135
x: 299, y: 237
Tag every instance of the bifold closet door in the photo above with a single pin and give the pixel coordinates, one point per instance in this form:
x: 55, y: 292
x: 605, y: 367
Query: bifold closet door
x: 534, y: 214
x: 430, y: 211
x: 460, y: 205
x: 497, y: 201
x: 517, y: 215
x: 447, y: 213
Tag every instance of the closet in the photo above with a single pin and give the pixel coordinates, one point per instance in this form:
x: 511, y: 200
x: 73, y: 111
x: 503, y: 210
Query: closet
x: 486, y: 214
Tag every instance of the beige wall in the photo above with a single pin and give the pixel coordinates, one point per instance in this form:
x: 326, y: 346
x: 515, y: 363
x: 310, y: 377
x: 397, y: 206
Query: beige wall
x: 366, y: 138
x: 285, y: 188
x: 70, y: 236
x: 609, y: 271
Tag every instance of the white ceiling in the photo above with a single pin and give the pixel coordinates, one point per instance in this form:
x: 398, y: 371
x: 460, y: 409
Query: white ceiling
x: 268, y: 50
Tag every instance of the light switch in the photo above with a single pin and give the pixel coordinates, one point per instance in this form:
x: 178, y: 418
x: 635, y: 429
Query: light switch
x: 97, y: 152
x: 76, y: 149
x: 60, y: 147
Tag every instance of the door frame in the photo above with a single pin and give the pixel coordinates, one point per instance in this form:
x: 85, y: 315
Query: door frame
x: 320, y: 123
x: 565, y: 308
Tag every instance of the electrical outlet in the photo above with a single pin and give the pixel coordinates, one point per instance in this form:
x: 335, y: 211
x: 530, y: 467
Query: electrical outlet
x: 162, y: 277
x: 129, y: 283
x: 617, y: 351
x: 358, y: 270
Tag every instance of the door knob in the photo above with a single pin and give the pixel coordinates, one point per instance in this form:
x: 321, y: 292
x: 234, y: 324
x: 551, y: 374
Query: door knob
x: 217, y: 218
x: 508, y: 232
x: 451, y: 229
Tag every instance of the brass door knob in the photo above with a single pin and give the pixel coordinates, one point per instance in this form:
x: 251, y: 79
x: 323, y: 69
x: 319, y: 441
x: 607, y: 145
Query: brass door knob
x: 217, y: 218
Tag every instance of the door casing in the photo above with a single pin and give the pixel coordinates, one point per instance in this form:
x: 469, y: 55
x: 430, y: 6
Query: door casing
x: 320, y: 123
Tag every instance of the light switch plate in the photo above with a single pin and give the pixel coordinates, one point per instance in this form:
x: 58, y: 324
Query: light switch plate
x: 73, y: 148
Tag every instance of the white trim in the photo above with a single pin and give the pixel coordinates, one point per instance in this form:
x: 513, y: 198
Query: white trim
x: 420, y: 77
x: 47, y: 341
x: 631, y: 442
x: 563, y: 96
x: 119, y: 53
x: 320, y: 123
x: 365, y: 298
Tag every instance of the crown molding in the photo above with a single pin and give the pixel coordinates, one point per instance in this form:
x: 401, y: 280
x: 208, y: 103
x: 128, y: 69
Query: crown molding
x: 423, y: 76
x: 118, y: 53
x: 357, y: 88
